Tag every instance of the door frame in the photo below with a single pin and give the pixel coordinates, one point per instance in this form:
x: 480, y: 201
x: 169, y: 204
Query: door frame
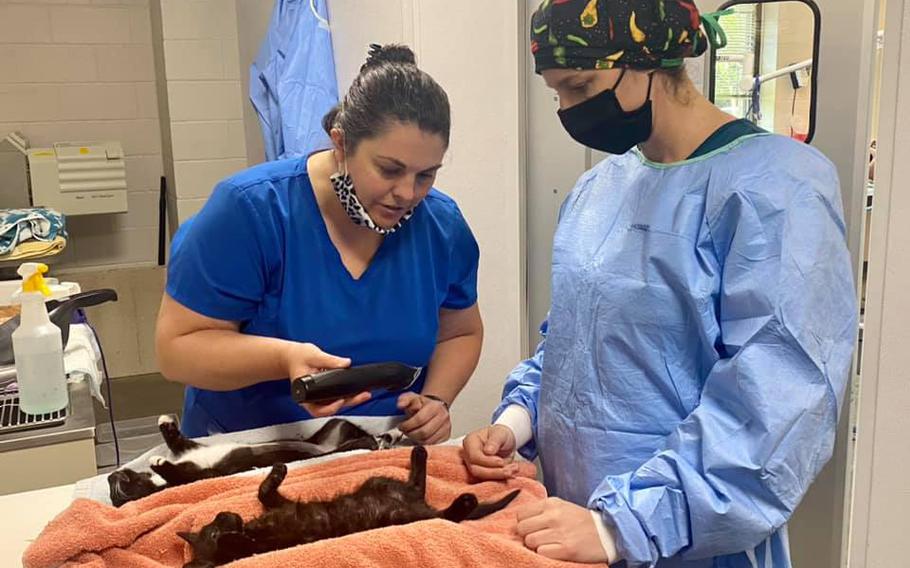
x: 880, y: 481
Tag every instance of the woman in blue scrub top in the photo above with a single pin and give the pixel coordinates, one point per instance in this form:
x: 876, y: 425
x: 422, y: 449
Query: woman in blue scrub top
x: 348, y: 256
x: 698, y: 345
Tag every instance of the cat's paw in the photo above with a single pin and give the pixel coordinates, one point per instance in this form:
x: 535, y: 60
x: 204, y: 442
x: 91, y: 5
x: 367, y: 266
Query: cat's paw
x: 157, y: 461
x: 165, y: 419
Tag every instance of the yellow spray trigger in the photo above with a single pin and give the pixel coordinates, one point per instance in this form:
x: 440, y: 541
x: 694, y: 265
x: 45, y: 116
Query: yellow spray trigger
x: 35, y: 281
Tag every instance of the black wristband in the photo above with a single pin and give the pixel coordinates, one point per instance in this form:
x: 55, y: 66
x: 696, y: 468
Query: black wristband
x: 436, y: 398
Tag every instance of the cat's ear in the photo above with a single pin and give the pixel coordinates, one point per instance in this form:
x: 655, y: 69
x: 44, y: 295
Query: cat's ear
x: 191, y: 538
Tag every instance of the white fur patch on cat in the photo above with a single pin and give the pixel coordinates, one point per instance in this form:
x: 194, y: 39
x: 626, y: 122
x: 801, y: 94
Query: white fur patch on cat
x: 165, y: 419
x: 207, y: 456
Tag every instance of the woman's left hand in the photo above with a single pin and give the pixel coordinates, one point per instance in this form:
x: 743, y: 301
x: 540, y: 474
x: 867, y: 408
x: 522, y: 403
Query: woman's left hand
x: 428, y: 420
x: 561, y: 530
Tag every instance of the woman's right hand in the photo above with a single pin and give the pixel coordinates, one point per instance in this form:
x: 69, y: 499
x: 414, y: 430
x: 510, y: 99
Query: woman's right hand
x: 306, y: 359
x: 489, y: 452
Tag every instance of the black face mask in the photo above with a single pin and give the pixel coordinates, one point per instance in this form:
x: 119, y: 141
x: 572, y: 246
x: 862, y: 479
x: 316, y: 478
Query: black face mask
x: 601, y: 123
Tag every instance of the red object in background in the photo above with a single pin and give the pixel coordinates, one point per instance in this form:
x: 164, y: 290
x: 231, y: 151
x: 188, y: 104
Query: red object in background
x: 799, y: 136
x: 693, y: 13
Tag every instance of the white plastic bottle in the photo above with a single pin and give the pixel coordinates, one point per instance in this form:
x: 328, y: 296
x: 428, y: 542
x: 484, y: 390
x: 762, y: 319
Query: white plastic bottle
x: 38, y: 348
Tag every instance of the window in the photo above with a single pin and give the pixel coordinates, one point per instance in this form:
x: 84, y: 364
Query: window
x: 736, y: 62
x: 766, y: 72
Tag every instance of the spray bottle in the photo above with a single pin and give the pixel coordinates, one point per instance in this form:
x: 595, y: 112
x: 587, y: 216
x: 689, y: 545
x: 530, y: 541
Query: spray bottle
x: 38, y: 348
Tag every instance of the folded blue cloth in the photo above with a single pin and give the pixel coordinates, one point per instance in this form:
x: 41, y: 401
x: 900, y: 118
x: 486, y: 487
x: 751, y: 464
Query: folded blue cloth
x: 20, y: 225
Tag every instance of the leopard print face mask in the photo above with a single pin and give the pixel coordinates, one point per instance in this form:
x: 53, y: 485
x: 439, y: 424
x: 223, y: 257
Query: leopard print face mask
x: 344, y: 189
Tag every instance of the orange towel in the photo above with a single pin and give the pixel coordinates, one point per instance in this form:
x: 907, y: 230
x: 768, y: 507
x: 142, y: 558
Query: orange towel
x: 143, y: 533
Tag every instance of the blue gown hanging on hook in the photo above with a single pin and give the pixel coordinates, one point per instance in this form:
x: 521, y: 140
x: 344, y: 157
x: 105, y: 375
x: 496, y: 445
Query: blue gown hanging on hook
x: 292, y: 80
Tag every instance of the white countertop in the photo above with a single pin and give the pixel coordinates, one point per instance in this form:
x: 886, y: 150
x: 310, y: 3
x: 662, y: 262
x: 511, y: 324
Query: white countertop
x: 24, y: 515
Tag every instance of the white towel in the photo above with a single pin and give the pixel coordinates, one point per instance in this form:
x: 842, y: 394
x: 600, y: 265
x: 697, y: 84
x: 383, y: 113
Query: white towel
x: 82, y: 360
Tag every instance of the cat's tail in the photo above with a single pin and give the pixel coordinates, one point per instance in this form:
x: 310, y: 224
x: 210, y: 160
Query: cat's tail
x: 485, y: 509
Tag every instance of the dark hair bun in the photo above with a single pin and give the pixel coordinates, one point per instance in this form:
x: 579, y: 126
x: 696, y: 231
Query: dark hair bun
x: 390, y: 53
x: 390, y: 88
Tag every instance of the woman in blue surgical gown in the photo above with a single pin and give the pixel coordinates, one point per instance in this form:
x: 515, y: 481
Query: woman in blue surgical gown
x: 698, y: 346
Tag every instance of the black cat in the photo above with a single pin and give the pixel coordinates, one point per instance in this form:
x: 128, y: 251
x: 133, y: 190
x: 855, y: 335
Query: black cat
x: 380, y: 502
x: 197, y: 461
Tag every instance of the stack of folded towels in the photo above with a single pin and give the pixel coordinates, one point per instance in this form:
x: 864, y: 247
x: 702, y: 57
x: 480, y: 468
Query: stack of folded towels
x: 31, y: 233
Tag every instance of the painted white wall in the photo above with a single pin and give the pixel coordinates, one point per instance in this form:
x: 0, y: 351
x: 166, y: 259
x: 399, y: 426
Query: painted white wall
x: 477, y: 61
x: 252, y: 24
x: 201, y: 79
x: 882, y: 487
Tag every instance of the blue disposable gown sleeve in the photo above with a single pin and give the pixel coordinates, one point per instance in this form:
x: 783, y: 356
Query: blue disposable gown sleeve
x: 523, y: 388
x: 733, y: 471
